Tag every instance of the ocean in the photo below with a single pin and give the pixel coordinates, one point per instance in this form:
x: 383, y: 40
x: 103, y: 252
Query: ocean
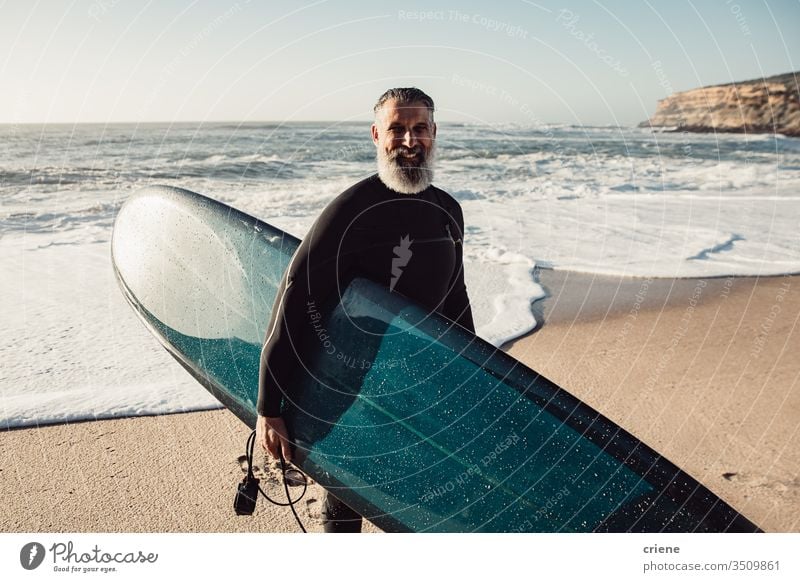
x: 606, y: 200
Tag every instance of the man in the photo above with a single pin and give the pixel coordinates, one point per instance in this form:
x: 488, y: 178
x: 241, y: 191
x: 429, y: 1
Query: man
x: 394, y: 228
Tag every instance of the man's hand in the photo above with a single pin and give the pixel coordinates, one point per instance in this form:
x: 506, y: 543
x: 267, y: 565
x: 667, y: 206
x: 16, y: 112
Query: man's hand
x: 271, y: 433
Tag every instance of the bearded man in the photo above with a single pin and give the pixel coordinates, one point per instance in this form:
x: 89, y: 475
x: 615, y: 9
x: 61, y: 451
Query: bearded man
x: 394, y: 228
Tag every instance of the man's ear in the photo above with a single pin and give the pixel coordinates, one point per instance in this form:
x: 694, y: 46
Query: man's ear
x: 434, y: 131
x: 374, y: 134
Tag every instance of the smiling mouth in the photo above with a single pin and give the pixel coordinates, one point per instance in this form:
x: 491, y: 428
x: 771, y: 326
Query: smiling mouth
x: 406, y: 155
x: 409, y: 161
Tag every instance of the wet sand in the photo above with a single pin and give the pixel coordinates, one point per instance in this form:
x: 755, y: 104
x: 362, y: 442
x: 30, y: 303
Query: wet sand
x: 703, y: 370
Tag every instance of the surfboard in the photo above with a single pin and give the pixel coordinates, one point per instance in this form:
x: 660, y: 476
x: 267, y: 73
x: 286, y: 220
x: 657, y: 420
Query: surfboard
x: 416, y: 423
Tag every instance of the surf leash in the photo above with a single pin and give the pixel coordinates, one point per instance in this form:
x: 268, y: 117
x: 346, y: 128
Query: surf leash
x: 247, y: 491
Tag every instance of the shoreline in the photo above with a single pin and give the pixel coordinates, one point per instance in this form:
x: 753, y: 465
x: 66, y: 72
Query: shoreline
x: 588, y: 297
x: 702, y: 370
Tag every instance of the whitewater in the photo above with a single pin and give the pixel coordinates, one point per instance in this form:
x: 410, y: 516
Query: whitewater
x: 605, y: 200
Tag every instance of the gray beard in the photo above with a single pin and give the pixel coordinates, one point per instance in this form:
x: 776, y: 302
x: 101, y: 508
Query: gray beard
x: 406, y: 179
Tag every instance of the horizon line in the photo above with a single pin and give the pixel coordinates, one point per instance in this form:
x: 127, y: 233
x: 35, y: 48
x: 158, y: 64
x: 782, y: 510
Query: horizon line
x: 285, y: 122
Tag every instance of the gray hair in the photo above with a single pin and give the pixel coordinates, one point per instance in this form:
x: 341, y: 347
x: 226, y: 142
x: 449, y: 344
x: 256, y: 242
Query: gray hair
x: 405, y: 96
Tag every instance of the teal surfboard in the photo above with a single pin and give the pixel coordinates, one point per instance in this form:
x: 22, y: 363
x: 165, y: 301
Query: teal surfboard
x: 411, y: 420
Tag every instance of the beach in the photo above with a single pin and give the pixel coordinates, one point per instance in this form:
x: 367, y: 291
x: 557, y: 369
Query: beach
x: 705, y: 371
x: 108, y: 433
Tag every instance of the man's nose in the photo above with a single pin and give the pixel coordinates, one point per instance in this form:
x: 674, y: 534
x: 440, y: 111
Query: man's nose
x: 409, y: 139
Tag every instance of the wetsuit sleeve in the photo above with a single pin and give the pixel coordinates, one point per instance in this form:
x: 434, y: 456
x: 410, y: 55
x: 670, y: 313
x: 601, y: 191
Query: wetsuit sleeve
x: 311, y: 276
x: 456, y: 305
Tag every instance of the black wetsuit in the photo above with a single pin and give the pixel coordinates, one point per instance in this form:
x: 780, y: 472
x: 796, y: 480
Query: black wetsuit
x: 410, y: 243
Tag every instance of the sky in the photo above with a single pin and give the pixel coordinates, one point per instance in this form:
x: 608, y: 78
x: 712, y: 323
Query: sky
x: 581, y: 62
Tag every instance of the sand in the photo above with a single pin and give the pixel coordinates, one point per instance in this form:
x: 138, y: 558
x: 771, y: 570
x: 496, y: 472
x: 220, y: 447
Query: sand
x: 704, y: 371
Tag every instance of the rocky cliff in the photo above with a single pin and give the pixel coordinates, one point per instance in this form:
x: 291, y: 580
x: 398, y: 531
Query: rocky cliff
x: 770, y: 105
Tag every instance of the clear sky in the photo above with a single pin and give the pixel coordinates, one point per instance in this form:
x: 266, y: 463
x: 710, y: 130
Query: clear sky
x: 579, y: 62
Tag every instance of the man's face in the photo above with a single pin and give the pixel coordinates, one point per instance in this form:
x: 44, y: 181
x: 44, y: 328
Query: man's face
x: 405, y: 138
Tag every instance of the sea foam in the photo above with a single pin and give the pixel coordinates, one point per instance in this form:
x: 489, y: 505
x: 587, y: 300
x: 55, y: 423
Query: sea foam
x: 599, y: 200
